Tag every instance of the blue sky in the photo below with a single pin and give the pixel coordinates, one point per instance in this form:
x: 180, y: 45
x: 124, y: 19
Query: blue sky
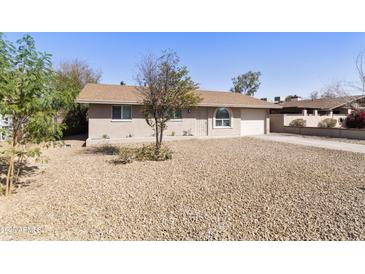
x: 289, y: 62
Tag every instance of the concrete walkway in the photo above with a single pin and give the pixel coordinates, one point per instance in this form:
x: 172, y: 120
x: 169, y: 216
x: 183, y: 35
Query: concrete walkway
x: 307, y: 141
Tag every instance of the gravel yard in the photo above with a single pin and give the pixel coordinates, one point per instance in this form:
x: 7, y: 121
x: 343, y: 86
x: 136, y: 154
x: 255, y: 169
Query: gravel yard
x: 222, y: 189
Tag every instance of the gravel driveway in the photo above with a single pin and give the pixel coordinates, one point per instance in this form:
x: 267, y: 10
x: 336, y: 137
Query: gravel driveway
x: 222, y: 189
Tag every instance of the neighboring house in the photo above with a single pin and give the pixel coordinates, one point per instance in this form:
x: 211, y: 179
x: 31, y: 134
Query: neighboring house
x: 323, y: 106
x: 115, y: 112
x: 314, y: 111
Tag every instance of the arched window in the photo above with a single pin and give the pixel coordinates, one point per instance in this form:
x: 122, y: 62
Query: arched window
x: 222, y: 118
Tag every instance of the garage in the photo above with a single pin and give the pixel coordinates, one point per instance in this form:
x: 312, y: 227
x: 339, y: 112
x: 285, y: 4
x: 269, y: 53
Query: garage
x: 253, y: 121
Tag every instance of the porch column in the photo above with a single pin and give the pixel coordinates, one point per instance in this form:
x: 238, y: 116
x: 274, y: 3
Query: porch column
x: 331, y: 113
x: 315, y: 112
x: 304, y: 112
x: 349, y: 111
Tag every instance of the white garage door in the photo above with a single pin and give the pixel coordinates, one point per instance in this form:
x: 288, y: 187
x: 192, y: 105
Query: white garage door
x: 253, y: 121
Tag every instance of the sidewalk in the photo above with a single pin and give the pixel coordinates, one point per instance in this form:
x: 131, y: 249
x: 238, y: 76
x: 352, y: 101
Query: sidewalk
x: 292, y: 139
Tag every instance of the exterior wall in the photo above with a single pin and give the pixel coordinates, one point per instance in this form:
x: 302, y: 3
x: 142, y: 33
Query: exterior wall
x: 100, y: 123
x: 279, y: 120
x: 235, y: 129
x: 328, y: 132
x: 277, y: 125
x: 312, y: 120
x: 276, y: 122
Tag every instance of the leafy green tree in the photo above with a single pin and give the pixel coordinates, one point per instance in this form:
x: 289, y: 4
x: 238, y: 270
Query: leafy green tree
x: 247, y: 83
x: 166, y: 87
x: 71, y: 78
x: 29, y: 97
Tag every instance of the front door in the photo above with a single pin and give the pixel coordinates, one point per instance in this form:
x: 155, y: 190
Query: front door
x: 202, y: 122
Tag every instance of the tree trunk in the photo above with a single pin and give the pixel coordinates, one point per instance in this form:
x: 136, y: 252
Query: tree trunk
x: 20, y: 164
x: 157, y: 134
x: 10, y: 174
x: 9, y: 178
x: 161, y: 133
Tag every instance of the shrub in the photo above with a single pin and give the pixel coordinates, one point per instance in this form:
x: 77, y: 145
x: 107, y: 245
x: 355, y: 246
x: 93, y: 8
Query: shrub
x: 145, y: 153
x: 126, y: 155
x: 298, y: 123
x: 327, y: 123
x: 356, y: 119
x: 105, y: 136
x: 187, y: 133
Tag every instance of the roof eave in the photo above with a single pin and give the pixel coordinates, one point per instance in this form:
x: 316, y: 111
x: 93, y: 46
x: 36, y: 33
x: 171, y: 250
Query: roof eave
x: 111, y: 102
x: 240, y: 106
x: 107, y: 102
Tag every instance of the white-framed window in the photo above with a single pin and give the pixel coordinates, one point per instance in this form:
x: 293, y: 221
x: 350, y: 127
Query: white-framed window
x: 121, y: 112
x: 176, y: 115
x: 222, y: 118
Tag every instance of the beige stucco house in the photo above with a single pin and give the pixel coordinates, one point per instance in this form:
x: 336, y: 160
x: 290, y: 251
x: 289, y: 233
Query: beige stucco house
x: 314, y: 111
x: 115, y: 113
x: 322, y: 106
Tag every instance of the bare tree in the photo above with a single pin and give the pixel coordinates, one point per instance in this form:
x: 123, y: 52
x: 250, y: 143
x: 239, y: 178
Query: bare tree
x: 80, y: 71
x: 334, y: 90
x: 360, y: 69
x: 166, y: 88
x: 314, y: 95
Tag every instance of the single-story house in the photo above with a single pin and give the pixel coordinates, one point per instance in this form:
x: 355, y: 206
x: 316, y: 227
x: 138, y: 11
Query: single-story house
x: 115, y: 113
x: 322, y: 106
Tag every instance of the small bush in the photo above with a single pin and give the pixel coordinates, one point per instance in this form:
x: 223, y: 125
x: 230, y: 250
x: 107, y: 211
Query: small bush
x: 298, y: 123
x: 145, y: 153
x: 187, y: 133
x: 126, y: 155
x: 327, y: 123
x: 356, y: 119
x: 105, y: 136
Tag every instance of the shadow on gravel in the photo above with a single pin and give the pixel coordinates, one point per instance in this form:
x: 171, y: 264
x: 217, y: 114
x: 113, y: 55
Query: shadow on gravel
x: 102, y: 150
x: 75, y: 140
x: 23, y: 179
x: 80, y: 137
x: 361, y: 188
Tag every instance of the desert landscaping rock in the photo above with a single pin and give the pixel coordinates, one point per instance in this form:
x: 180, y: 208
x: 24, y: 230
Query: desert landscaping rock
x: 222, y: 189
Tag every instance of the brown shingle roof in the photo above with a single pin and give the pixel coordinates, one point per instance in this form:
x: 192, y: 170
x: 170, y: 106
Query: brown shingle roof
x: 323, y: 103
x: 113, y: 94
